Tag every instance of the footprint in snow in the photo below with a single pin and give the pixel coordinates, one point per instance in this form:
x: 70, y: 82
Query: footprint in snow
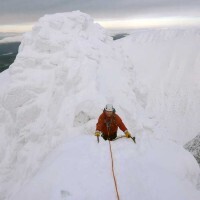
x: 64, y: 194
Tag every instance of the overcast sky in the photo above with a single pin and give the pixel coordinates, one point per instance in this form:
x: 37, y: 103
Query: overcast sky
x: 19, y: 11
x: 25, y: 11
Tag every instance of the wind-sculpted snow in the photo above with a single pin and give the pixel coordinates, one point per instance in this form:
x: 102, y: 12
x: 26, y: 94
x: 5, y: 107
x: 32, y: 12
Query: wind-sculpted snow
x: 60, y: 81
x: 66, y: 70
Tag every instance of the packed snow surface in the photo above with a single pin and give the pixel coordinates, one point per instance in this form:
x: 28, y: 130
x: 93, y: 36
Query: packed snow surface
x: 66, y: 70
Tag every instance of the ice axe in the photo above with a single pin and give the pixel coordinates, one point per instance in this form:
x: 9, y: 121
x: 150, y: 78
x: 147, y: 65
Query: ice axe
x: 123, y: 136
x: 133, y: 138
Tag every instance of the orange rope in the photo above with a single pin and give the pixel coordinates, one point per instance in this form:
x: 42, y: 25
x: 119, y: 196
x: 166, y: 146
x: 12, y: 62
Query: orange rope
x: 113, y: 172
x: 108, y: 129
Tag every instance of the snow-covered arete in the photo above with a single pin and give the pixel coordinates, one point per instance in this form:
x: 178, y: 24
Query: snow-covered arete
x: 67, y: 69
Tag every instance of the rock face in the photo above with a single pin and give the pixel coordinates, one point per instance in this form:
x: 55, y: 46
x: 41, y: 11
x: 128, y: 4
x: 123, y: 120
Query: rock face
x: 193, y: 146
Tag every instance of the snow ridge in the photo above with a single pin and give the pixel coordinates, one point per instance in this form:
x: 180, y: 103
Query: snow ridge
x: 57, y: 64
x: 66, y: 70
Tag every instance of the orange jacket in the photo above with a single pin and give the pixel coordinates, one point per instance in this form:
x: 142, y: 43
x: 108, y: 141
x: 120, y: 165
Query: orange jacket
x: 115, y: 122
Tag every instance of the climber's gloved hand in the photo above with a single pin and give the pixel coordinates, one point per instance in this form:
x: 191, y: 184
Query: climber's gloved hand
x: 97, y: 133
x: 127, y: 134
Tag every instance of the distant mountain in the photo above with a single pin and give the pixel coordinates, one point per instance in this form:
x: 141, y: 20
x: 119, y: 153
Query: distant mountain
x: 11, y: 39
x: 119, y: 36
x: 6, y: 35
x: 8, y: 52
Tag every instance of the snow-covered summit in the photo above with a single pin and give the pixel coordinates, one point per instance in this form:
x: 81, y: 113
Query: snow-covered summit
x: 67, y: 69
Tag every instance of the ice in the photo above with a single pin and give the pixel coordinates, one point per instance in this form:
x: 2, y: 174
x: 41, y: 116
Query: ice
x: 67, y: 69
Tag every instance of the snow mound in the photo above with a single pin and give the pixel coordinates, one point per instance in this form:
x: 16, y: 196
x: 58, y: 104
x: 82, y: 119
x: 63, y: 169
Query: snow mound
x: 66, y: 70
x: 87, y: 174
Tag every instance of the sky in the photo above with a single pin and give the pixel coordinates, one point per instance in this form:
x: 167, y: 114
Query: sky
x: 19, y: 15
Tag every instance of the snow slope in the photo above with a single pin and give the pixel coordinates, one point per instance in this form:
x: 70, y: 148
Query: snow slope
x: 81, y: 169
x: 167, y: 64
x: 66, y: 70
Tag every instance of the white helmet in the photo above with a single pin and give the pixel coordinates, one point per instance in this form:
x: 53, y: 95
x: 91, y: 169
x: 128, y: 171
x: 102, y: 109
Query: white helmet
x: 109, y: 107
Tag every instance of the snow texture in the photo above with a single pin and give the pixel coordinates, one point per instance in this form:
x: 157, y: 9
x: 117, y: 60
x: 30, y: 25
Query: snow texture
x: 67, y: 69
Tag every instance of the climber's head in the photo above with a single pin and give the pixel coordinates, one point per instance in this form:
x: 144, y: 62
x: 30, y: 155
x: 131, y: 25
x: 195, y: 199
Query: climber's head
x: 109, y: 110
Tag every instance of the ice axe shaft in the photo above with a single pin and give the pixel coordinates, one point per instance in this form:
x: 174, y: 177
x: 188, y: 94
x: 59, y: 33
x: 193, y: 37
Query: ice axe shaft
x: 98, y: 139
x: 123, y: 136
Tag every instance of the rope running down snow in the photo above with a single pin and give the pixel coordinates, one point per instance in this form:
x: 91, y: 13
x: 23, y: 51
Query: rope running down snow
x: 113, y: 171
x: 111, y: 155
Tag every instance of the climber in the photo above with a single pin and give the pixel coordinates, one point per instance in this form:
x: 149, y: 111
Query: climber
x: 108, y: 124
